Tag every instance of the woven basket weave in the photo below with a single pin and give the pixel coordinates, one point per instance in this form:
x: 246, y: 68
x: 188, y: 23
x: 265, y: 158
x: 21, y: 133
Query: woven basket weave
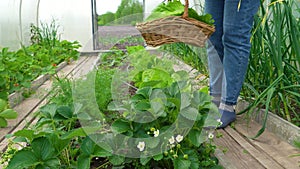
x: 175, y: 29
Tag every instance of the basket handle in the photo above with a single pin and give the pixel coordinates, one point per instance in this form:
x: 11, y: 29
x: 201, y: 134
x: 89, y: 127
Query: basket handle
x: 186, y: 10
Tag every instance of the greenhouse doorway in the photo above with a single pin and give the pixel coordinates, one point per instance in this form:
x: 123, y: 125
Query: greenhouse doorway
x: 114, y: 24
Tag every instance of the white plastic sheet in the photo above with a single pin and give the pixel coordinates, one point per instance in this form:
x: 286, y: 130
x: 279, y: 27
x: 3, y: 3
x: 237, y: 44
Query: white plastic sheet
x: 73, y: 16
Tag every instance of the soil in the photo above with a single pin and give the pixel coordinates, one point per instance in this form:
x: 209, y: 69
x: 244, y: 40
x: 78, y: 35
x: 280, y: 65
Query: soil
x: 113, y: 36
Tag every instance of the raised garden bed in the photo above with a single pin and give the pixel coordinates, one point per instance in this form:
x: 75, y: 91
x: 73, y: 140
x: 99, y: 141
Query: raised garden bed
x: 185, y: 156
x: 28, y: 106
x: 17, y: 97
x: 242, y: 152
x: 274, y: 124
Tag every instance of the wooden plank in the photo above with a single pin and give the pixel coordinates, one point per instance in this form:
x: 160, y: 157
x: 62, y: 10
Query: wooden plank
x: 235, y: 157
x: 80, y: 61
x: 21, y: 125
x: 279, y: 150
x: 83, y: 69
x: 283, y: 129
x: 259, y: 155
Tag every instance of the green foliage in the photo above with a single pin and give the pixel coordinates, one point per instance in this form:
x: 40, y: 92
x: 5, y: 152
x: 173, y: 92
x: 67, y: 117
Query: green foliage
x: 6, y: 113
x: 206, y: 18
x: 112, y: 59
x: 141, y: 60
x: 89, y: 149
x: 19, y: 68
x: 272, y: 80
x: 103, y: 87
x: 192, y: 152
x: 40, y: 155
x: 61, y: 93
x: 128, y: 12
x: 170, y: 8
x: 51, y: 141
x: 297, y: 145
x: 176, y: 8
x: 54, y: 116
x: 163, y: 103
x: 47, y: 34
x: 9, y: 153
x: 157, y: 112
x: 106, y: 19
x: 153, y: 77
x: 191, y: 55
x: 128, y: 41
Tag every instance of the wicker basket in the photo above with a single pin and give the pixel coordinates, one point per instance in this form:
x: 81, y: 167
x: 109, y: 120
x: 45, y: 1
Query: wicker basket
x: 175, y: 29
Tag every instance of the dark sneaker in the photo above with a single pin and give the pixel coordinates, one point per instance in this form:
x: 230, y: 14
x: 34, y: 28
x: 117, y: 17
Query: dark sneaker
x: 226, y: 118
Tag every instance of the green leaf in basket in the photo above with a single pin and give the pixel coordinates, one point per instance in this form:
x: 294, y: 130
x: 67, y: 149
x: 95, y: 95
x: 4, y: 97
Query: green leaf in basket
x: 176, y: 8
x: 166, y: 9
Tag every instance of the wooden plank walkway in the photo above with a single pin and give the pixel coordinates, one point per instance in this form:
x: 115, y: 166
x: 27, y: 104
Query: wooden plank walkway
x: 266, y: 151
x: 235, y: 149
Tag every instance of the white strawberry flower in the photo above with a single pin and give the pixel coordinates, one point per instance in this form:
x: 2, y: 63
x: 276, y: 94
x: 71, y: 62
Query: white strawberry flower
x: 141, y: 146
x: 179, y: 138
x: 172, y: 140
x: 156, y: 133
x: 220, y: 122
x: 210, y: 135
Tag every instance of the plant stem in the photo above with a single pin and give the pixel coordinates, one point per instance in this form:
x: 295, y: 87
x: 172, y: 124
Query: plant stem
x: 103, y: 165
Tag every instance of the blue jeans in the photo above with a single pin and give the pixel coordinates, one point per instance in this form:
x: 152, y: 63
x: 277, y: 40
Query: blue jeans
x: 229, y: 47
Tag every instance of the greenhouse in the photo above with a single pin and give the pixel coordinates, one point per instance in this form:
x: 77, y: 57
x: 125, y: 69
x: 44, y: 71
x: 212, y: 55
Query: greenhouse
x: 143, y: 84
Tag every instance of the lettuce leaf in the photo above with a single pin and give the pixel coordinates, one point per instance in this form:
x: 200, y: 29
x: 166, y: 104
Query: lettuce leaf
x: 173, y: 8
x: 154, y: 77
x: 176, y: 8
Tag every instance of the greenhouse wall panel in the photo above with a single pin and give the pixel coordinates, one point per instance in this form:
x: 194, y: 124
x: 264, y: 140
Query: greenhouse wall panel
x: 74, y: 18
x: 29, y: 15
x: 9, y: 24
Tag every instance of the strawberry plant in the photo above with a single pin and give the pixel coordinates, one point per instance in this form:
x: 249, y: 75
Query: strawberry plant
x: 6, y: 113
x: 161, y: 123
x: 19, y: 68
